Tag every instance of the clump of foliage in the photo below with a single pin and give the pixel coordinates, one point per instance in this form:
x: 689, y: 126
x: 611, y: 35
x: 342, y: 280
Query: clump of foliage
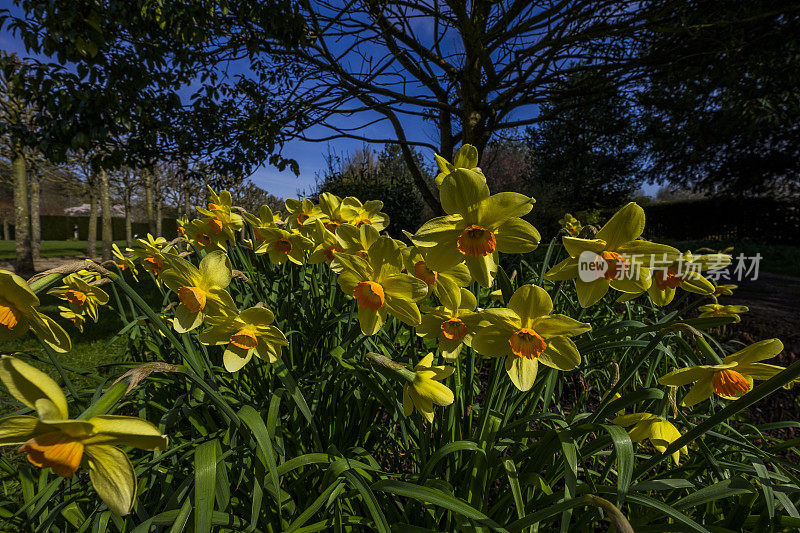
x: 306, y: 372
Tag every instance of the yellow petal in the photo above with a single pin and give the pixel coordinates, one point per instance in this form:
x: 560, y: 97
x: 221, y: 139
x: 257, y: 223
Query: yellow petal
x: 18, y: 429
x: 576, y: 246
x: 462, y: 192
x: 530, y: 302
x: 112, y: 476
x: 626, y: 225
x: 522, y: 371
x: 234, y: 358
x: 561, y: 353
x: 758, y: 351
x: 215, y: 269
x: 633, y: 418
x: 559, y: 325
x: 404, y: 310
x: 34, y: 388
x: 126, y: 431
x: 370, y: 321
x: 690, y: 374
x: 702, y: 390
x: 483, y: 269
x: 492, y: 341
x: 565, y: 270
x: 590, y: 293
x: 503, y: 208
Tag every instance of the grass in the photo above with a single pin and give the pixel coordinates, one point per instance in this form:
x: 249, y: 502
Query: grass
x: 53, y: 248
x: 775, y: 258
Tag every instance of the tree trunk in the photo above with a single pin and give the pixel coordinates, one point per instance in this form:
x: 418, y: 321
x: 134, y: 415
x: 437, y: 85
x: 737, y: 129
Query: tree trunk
x: 36, y: 226
x: 24, y: 265
x: 105, y: 203
x: 91, y: 247
x: 159, y: 207
x: 6, y: 229
x: 148, y: 200
x: 128, y: 229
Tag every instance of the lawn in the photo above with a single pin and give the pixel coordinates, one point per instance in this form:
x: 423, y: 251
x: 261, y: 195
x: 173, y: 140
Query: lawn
x: 53, y: 248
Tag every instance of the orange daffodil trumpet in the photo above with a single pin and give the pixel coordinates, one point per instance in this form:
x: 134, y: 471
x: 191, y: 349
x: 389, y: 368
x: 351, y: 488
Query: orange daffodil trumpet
x: 731, y: 379
x: 452, y: 325
x: 658, y: 430
x: 379, y: 287
x: 477, y: 226
x: 245, y: 334
x: 445, y: 284
x: 621, y: 259
x: 18, y: 315
x: 300, y: 211
x: 201, y: 290
x: 526, y: 334
x: 53, y: 440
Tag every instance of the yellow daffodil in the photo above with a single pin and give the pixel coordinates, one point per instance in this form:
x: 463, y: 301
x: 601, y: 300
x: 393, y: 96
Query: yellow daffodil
x: 17, y: 314
x: 378, y: 285
x: 718, y: 310
x: 182, y: 222
x: 221, y: 218
x: 356, y: 240
x: 325, y: 244
x: 201, y: 290
x: 334, y: 211
x: 281, y: 244
x: 453, y: 326
x: 370, y: 213
x: 465, y: 158
x: 445, y: 284
x: 659, y: 431
x: 52, y: 440
x: 570, y: 225
x: 246, y: 334
x: 78, y: 319
x: 526, y: 334
x: 203, y: 237
x: 684, y: 272
x: 153, y: 254
x: 300, y: 211
x: 615, y: 258
x: 477, y: 226
x: 123, y: 262
x: 426, y: 388
x: 265, y: 220
x: 725, y: 290
x: 732, y: 378
x: 81, y: 297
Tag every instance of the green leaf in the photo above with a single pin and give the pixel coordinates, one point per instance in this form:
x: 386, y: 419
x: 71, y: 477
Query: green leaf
x: 205, y: 480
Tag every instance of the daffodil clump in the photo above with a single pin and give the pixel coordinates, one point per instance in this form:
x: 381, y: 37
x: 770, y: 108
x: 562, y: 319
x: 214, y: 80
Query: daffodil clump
x: 316, y: 369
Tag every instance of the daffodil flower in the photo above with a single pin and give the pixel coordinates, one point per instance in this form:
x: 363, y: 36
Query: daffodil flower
x: 282, y: 245
x: 466, y: 157
x: 356, y: 240
x: 246, y: 334
x: 17, y: 314
x: 123, y: 262
x: 379, y: 287
x: 732, y: 378
x: 658, y: 430
x: 718, y: 310
x: 221, y: 218
x: 477, y: 226
x: 570, y: 225
x: 725, y: 290
x: 445, y: 284
x: 82, y: 297
x: 153, y: 254
x: 265, y: 220
x: 325, y: 244
x: 334, y: 211
x: 182, y: 222
x: 526, y: 334
x: 203, y: 236
x: 426, y: 388
x: 300, y: 211
x: 52, y: 440
x: 78, y: 319
x: 684, y: 272
x: 616, y: 247
x: 201, y: 290
x: 453, y: 327
x: 370, y: 213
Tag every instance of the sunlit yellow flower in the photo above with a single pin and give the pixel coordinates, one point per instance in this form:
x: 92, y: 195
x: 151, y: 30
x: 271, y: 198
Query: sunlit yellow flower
x: 221, y: 218
x: 246, y: 334
x: 370, y: 213
x: 334, y: 211
x: 718, y: 310
x: 622, y: 260
x: 17, y: 314
x: 356, y: 240
x: 570, y: 225
x: 684, y: 272
x: 325, y: 244
x: 182, y: 222
x: 53, y: 441
x: 265, y: 220
x: 445, y: 284
x: 78, y: 319
x: 81, y: 297
x: 453, y: 326
x: 153, y: 254
x: 281, y: 244
x: 203, y: 236
x: 725, y: 290
x: 731, y: 379
x: 659, y: 431
x: 124, y: 263
x: 378, y: 285
x: 300, y: 211
x: 465, y: 158
x: 201, y: 290
x: 477, y: 226
x: 426, y: 388
x: 526, y: 334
